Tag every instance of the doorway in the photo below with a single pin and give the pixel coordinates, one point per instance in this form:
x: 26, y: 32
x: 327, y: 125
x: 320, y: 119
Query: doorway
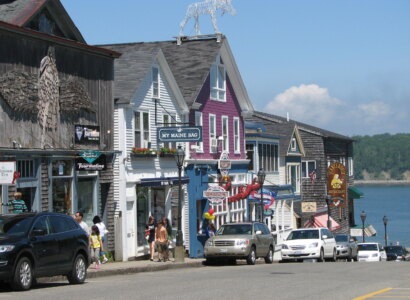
x: 87, y: 200
x: 142, y: 214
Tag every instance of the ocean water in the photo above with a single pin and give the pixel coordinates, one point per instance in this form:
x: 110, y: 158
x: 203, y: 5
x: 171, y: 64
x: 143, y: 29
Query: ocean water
x: 392, y: 202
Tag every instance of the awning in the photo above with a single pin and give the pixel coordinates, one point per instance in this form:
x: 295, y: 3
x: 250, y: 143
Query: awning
x: 355, y: 193
x: 163, y: 181
x: 321, y: 221
x: 358, y: 231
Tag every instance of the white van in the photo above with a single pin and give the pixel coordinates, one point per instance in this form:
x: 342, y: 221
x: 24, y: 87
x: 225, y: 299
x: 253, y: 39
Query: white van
x: 313, y: 243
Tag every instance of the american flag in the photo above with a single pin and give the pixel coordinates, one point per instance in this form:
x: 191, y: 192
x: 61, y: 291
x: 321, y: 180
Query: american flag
x: 312, y: 176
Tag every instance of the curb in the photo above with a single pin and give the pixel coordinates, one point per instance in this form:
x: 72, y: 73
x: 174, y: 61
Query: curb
x: 128, y: 270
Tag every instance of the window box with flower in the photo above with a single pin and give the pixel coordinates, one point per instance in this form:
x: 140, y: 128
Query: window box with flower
x: 143, y: 152
x: 167, y: 152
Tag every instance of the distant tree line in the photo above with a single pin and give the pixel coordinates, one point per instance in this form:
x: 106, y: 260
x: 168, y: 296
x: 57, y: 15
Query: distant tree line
x: 381, y: 154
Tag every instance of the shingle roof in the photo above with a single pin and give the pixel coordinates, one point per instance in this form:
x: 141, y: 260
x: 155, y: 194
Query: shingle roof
x: 302, y: 126
x: 283, y: 130
x: 189, y: 62
x: 13, y: 11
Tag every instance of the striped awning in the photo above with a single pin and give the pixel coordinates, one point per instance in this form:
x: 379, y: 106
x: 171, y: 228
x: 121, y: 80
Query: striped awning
x: 321, y: 221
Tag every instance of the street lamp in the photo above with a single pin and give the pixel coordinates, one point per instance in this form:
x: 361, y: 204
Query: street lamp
x: 261, y: 179
x: 363, y: 217
x: 328, y: 200
x: 385, y: 229
x: 179, y: 246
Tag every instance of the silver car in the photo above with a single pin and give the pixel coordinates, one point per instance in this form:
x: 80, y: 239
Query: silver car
x: 248, y: 240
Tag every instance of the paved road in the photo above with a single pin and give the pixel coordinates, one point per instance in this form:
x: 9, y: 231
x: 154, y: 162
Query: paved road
x: 316, y: 281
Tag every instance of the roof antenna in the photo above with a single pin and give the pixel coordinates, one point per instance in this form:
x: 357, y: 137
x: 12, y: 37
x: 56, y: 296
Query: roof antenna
x: 287, y: 116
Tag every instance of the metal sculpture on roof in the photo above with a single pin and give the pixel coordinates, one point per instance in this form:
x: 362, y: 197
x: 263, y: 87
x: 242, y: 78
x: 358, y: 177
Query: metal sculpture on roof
x: 206, y: 7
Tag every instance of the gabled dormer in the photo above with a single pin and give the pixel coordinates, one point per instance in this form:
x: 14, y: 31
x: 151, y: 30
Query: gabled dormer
x: 295, y: 146
x: 46, y: 16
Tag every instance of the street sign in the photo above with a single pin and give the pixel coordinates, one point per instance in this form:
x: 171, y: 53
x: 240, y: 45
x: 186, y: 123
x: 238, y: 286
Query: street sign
x: 215, y: 194
x: 179, y: 134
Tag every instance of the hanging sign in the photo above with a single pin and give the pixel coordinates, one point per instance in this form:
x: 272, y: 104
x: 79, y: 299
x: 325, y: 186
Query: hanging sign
x: 336, y: 184
x: 87, y: 134
x: 268, y: 198
x: 8, y: 174
x: 215, y: 194
x: 179, y: 134
x: 90, y: 161
x: 309, y: 207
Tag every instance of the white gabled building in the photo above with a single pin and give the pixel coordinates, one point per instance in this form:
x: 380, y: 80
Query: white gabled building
x: 146, y: 97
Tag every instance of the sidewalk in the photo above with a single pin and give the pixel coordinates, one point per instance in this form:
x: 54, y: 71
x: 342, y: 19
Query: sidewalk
x: 131, y: 267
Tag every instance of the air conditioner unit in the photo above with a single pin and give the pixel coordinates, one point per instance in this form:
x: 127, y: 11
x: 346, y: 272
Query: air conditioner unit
x: 214, y: 143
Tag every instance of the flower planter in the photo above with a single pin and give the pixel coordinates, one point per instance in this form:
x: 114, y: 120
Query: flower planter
x: 162, y: 154
x: 136, y: 155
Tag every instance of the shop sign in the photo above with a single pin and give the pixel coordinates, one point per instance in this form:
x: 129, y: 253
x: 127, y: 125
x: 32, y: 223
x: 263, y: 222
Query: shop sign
x: 224, y: 162
x: 89, y: 163
x: 336, y: 184
x: 87, y: 134
x: 268, y: 212
x: 215, y: 194
x: 179, y: 134
x: 309, y: 207
x: 8, y: 174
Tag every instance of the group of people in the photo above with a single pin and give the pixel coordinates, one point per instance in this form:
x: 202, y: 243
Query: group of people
x: 96, y: 237
x: 158, y: 235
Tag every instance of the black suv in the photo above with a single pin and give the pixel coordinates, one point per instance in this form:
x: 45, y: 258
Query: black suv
x: 40, y: 245
x: 396, y: 253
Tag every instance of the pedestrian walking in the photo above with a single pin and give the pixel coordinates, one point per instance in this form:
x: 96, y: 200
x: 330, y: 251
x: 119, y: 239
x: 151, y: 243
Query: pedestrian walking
x: 103, y: 231
x: 96, y: 246
x: 150, y: 236
x: 210, y: 230
x: 17, y: 205
x: 79, y: 218
x: 168, y: 227
x: 161, y: 241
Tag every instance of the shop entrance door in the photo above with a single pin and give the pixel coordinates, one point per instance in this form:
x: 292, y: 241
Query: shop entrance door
x: 158, y: 203
x: 130, y: 229
x: 87, y: 200
x: 142, y: 216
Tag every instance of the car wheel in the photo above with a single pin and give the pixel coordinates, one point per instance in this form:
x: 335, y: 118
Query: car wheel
x: 23, y: 275
x: 251, y: 259
x: 269, y: 256
x: 322, y: 256
x: 79, y: 271
x: 334, y: 257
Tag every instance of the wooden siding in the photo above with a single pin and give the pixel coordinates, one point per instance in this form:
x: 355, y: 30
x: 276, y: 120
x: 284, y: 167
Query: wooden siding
x: 229, y: 108
x: 93, y: 71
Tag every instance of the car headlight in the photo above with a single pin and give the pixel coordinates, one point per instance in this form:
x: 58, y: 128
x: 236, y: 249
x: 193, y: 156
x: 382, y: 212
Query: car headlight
x: 284, y: 246
x: 242, y: 242
x: 6, y: 248
x: 375, y: 255
x: 209, y: 243
x: 313, y: 245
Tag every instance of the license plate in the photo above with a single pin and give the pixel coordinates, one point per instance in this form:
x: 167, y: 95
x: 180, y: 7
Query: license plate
x: 223, y: 250
x: 298, y: 252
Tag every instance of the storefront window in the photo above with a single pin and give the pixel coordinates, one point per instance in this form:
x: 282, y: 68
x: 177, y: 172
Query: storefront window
x: 61, y: 195
x: 62, y: 168
x: 158, y: 203
x: 86, y: 198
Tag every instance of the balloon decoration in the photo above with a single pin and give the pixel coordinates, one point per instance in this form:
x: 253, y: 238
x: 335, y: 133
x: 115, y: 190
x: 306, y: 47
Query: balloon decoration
x: 209, y: 215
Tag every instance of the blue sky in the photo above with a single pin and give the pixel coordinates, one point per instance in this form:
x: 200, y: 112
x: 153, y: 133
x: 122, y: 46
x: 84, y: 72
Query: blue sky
x: 340, y: 65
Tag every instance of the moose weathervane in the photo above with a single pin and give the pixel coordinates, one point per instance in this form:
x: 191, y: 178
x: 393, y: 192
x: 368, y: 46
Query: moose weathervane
x: 206, y: 7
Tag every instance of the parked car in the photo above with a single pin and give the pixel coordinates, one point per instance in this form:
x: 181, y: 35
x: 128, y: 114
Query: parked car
x: 397, y: 253
x: 371, y: 252
x: 312, y: 243
x: 248, y: 240
x: 40, y: 245
x: 346, y: 247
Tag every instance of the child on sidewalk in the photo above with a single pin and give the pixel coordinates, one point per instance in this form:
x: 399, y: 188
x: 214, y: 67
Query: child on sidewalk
x: 96, y: 246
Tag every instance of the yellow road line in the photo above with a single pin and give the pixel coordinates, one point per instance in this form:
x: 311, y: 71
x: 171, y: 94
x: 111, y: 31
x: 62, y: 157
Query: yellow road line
x: 373, y: 294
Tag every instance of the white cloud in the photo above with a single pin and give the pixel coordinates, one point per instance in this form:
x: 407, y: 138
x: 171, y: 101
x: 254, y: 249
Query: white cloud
x: 306, y: 103
x: 374, y: 111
